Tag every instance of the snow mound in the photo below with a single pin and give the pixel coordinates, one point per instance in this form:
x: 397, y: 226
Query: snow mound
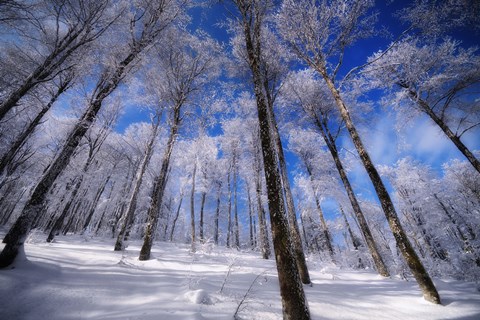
x: 198, y: 297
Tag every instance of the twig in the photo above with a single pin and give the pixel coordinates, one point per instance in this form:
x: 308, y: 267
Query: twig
x: 235, y: 315
x: 228, y: 274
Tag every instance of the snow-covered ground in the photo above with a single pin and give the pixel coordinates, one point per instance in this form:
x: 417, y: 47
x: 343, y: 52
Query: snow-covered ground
x: 83, y: 278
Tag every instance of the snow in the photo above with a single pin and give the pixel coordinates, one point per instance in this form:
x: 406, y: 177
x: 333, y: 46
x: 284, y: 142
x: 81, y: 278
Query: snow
x: 78, y: 277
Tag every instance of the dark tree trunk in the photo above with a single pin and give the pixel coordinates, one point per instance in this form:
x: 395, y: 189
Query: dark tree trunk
x: 129, y: 213
x: 22, y: 138
x: 235, y: 202
x: 293, y: 297
x: 36, y: 204
x: 73, y: 196
x: 355, y: 241
x: 264, y: 242
x: 363, y: 225
x: 250, y: 217
x: 416, y: 267
x: 95, y: 203
x: 192, y: 208
x: 291, y: 212
x: 177, y: 214
x: 217, y: 214
x: 326, y: 233
x: 159, y: 189
x: 202, y: 205
x: 229, y: 218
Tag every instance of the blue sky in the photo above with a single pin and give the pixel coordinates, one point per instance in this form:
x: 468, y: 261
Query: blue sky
x: 419, y: 139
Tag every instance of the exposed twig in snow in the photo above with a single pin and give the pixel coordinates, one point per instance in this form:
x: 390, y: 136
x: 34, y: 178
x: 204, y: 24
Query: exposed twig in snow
x: 230, y: 266
x: 235, y: 315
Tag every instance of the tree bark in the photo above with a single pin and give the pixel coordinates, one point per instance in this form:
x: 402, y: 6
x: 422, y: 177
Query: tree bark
x: 217, y: 215
x: 95, y: 203
x: 291, y: 212
x: 326, y: 233
x: 129, y: 213
x: 264, y: 242
x: 235, y: 202
x: 159, y: 189
x: 229, y: 218
x: 202, y: 206
x: 250, y: 217
x: 82, y: 32
x: 177, y: 214
x: 22, y: 138
x: 363, y: 225
x: 416, y: 267
x: 66, y: 209
x: 192, y: 207
x: 293, y: 297
x: 36, y: 204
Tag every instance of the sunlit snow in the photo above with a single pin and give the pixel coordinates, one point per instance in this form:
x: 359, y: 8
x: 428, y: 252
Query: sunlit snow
x: 83, y: 278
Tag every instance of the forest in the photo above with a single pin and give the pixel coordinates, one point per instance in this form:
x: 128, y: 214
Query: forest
x: 344, y: 132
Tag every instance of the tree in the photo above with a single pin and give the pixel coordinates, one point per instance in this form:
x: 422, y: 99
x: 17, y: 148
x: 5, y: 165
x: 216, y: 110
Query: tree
x: 7, y: 158
x: 438, y: 79
x: 129, y: 212
x: 147, y: 22
x: 319, y: 108
x: 319, y: 33
x: 188, y: 65
x: 95, y: 141
x: 250, y: 21
x: 63, y: 29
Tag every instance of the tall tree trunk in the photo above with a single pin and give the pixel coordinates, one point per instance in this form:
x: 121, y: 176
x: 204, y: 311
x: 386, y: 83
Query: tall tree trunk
x: 291, y: 212
x: 264, y: 242
x: 192, y: 207
x: 202, y: 205
x: 363, y: 225
x: 235, y: 202
x: 95, y: 203
x: 354, y: 239
x: 129, y: 213
x: 217, y: 214
x: 416, y: 267
x: 177, y: 214
x: 355, y: 242
x: 250, y: 217
x: 294, y: 302
x: 229, y: 218
x: 159, y: 189
x: 326, y: 233
x: 22, y: 138
x: 307, y: 245
x: 73, y: 196
x: 36, y: 204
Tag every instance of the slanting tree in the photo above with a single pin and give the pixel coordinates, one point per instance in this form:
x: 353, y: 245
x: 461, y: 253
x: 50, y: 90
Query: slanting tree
x: 148, y: 20
x: 129, y: 212
x: 65, y: 81
x: 188, y: 65
x: 314, y: 100
x: 439, y: 80
x: 249, y: 24
x: 62, y: 29
x: 274, y: 62
x: 319, y: 33
x: 94, y: 141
